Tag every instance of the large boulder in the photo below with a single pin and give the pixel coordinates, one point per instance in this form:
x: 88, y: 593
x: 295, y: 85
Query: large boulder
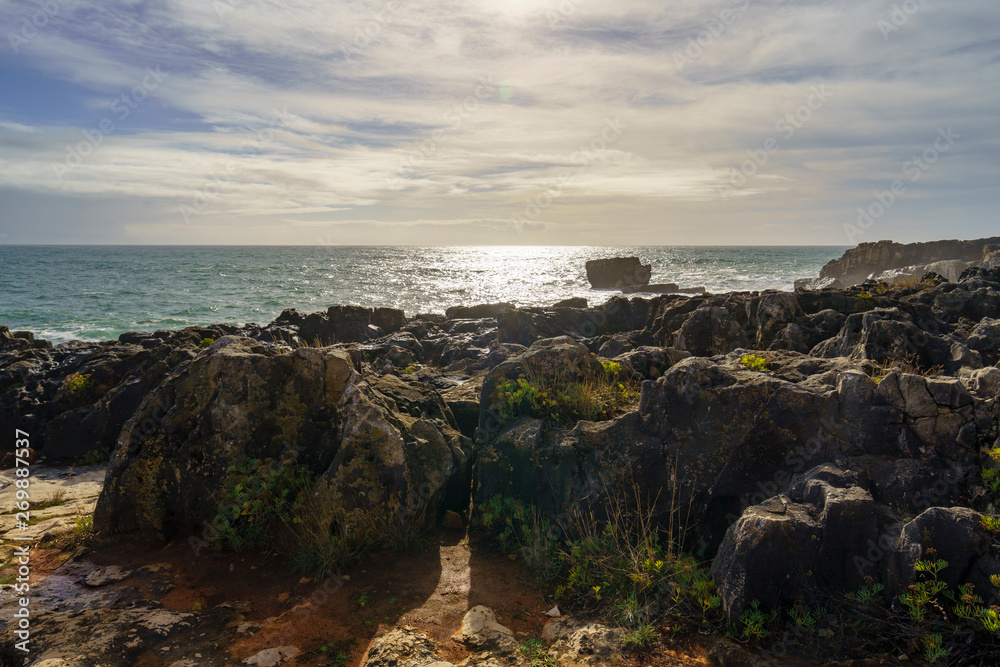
x: 785, y: 549
x: 708, y: 331
x: 985, y: 339
x: 339, y: 324
x: 238, y: 401
x: 618, y: 272
x: 887, y: 335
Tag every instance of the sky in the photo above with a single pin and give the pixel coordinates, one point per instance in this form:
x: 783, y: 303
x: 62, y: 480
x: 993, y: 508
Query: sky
x: 606, y: 122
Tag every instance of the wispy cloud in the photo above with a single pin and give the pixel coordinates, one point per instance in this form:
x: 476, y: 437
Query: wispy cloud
x: 389, y: 125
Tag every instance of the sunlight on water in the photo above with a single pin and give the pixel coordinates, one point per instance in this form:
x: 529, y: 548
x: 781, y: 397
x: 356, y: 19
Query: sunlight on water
x: 97, y: 293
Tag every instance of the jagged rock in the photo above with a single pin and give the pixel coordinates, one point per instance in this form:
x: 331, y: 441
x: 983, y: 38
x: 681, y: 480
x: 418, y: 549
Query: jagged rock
x: 463, y: 401
x: 658, y: 288
x: 559, y: 628
x: 272, y: 657
x: 575, y: 302
x: 480, y: 632
x: 403, y: 647
x: 593, y: 645
x: 651, y: 362
x: 340, y: 324
x: 567, y: 471
x: 710, y: 330
x: 867, y: 258
x: 389, y: 320
x: 481, y: 311
x: 985, y: 382
x: 238, y: 401
x: 517, y: 327
x: 886, y: 335
x: 956, y: 536
x: 618, y: 272
x: 985, y: 339
x: 789, y: 546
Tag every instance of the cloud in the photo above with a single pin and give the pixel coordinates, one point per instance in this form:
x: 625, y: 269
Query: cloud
x: 409, y: 115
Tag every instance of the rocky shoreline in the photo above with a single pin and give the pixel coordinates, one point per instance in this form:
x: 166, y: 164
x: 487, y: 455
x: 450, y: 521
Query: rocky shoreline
x: 822, y: 441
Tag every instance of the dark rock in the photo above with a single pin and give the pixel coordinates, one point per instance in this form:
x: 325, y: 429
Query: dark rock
x: 618, y: 272
x: 790, y: 546
x: 237, y: 401
x: 389, y: 320
x: 478, y: 312
x: 710, y: 330
x: 575, y: 302
x: 651, y: 362
x: 956, y: 536
x: 985, y: 339
x: 518, y: 327
x: 658, y: 288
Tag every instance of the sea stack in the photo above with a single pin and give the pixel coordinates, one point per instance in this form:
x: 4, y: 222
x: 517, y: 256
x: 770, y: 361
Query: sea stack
x: 618, y: 272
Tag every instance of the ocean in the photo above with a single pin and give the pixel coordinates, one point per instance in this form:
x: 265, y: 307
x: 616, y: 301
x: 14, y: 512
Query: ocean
x: 99, y: 292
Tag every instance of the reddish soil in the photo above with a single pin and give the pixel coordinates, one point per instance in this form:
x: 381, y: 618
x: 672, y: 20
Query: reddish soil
x: 429, y: 589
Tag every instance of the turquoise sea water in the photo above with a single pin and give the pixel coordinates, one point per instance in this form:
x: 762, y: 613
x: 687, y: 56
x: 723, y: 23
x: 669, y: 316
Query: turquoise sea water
x: 99, y: 292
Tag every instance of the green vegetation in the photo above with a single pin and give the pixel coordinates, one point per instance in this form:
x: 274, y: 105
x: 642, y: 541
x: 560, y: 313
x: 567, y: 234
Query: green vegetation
x: 562, y: 402
x: 409, y: 370
x: 269, y: 505
x: 58, y: 498
x: 206, y: 343
x: 623, y: 569
x: 95, y: 457
x: 952, y: 626
x: 536, y: 653
x: 511, y: 526
x: 83, y: 525
x: 257, y: 498
x: 620, y: 567
x: 78, y: 384
x: 754, y: 622
x: 864, y: 294
x: 754, y: 362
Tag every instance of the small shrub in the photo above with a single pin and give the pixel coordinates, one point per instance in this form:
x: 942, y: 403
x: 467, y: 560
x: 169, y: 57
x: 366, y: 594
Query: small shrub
x: 95, y: 457
x: 511, y: 526
x: 754, y: 622
x: 78, y: 384
x: 206, y: 343
x: 641, y: 639
x: 83, y: 525
x: 408, y: 370
x: 754, y: 362
x: 536, y: 653
x: 561, y: 402
x: 864, y: 294
x: 256, y: 499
